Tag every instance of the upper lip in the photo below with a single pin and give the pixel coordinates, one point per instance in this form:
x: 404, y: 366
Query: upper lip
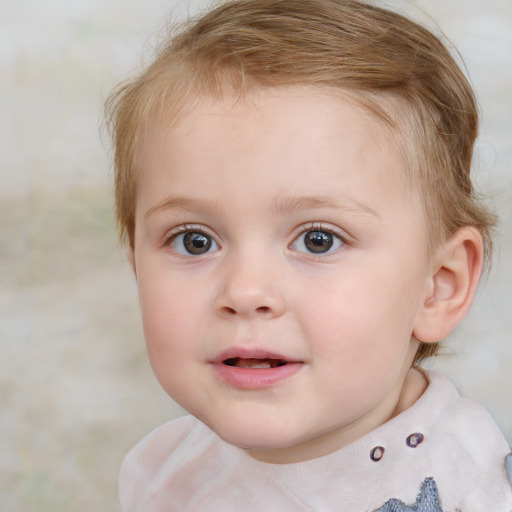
x: 251, y: 353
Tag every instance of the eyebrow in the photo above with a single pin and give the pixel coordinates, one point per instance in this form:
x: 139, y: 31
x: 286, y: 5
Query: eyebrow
x: 185, y: 203
x: 280, y: 205
x: 287, y: 205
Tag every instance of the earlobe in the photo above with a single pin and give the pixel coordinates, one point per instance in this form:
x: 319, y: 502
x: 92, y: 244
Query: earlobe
x: 130, y: 253
x: 457, y: 270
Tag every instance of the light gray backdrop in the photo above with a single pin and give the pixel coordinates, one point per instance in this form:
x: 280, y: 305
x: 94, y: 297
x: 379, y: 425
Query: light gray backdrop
x: 75, y: 388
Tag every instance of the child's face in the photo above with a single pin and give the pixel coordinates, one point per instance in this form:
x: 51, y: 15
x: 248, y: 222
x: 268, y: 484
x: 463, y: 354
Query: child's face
x: 281, y: 264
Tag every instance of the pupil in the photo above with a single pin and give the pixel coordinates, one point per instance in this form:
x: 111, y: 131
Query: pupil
x: 318, y: 241
x: 197, y: 243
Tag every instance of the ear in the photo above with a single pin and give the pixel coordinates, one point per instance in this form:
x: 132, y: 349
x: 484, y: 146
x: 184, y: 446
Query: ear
x: 130, y: 253
x: 457, y: 268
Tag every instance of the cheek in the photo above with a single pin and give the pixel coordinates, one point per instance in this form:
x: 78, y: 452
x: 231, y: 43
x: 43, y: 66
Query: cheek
x: 169, y: 319
x: 364, y: 317
x: 169, y: 338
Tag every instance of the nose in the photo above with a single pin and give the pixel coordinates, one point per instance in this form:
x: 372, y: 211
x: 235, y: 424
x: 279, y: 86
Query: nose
x: 250, y: 288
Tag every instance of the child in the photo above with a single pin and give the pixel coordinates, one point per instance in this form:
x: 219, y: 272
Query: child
x: 293, y: 182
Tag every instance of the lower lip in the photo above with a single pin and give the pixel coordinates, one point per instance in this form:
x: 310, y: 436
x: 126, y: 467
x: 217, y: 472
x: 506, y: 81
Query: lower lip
x: 255, y: 378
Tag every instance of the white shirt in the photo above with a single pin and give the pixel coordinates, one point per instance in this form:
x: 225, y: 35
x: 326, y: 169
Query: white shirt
x: 444, y: 454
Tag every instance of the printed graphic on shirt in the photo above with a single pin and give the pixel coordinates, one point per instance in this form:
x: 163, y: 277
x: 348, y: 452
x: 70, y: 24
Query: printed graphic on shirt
x: 427, y: 500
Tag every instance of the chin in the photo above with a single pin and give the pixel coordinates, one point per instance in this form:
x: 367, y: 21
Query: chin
x: 254, y: 440
x: 254, y: 437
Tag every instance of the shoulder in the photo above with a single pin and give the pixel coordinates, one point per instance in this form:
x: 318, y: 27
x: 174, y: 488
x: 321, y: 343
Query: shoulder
x: 464, y: 422
x: 467, y: 450
x: 149, y: 459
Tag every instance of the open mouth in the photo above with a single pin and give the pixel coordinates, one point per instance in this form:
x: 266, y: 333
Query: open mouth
x: 255, y: 369
x: 252, y: 363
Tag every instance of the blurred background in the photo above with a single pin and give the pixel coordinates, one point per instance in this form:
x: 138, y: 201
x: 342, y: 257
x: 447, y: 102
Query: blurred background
x: 76, y: 391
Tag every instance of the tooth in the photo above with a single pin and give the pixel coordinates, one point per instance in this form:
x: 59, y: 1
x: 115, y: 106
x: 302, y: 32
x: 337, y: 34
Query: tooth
x: 253, y: 363
x: 259, y: 365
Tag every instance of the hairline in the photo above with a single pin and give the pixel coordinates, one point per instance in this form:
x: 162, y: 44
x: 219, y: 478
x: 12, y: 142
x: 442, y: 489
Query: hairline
x: 386, y: 107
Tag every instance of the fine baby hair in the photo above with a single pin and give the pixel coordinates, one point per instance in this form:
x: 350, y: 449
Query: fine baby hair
x: 293, y: 185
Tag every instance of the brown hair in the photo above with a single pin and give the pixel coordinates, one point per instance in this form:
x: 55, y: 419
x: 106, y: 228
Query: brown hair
x: 388, y: 63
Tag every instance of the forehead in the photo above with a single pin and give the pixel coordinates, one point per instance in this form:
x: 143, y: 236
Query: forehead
x: 275, y: 143
x: 290, y: 112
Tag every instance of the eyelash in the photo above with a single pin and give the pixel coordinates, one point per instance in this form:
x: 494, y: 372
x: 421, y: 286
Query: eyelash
x: 323, y: 228
x: 180, y: 230
x: 185, y: 229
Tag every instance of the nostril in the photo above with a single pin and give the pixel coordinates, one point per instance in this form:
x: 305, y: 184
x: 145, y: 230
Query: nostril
x: 263, y: 310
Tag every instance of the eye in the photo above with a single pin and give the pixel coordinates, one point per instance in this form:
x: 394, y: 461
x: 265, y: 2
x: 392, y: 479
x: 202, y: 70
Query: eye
x: 317, y: 241
x: 193, y: 243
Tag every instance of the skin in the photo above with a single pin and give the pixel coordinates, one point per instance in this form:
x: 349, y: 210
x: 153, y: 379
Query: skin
x: 254, y: 175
